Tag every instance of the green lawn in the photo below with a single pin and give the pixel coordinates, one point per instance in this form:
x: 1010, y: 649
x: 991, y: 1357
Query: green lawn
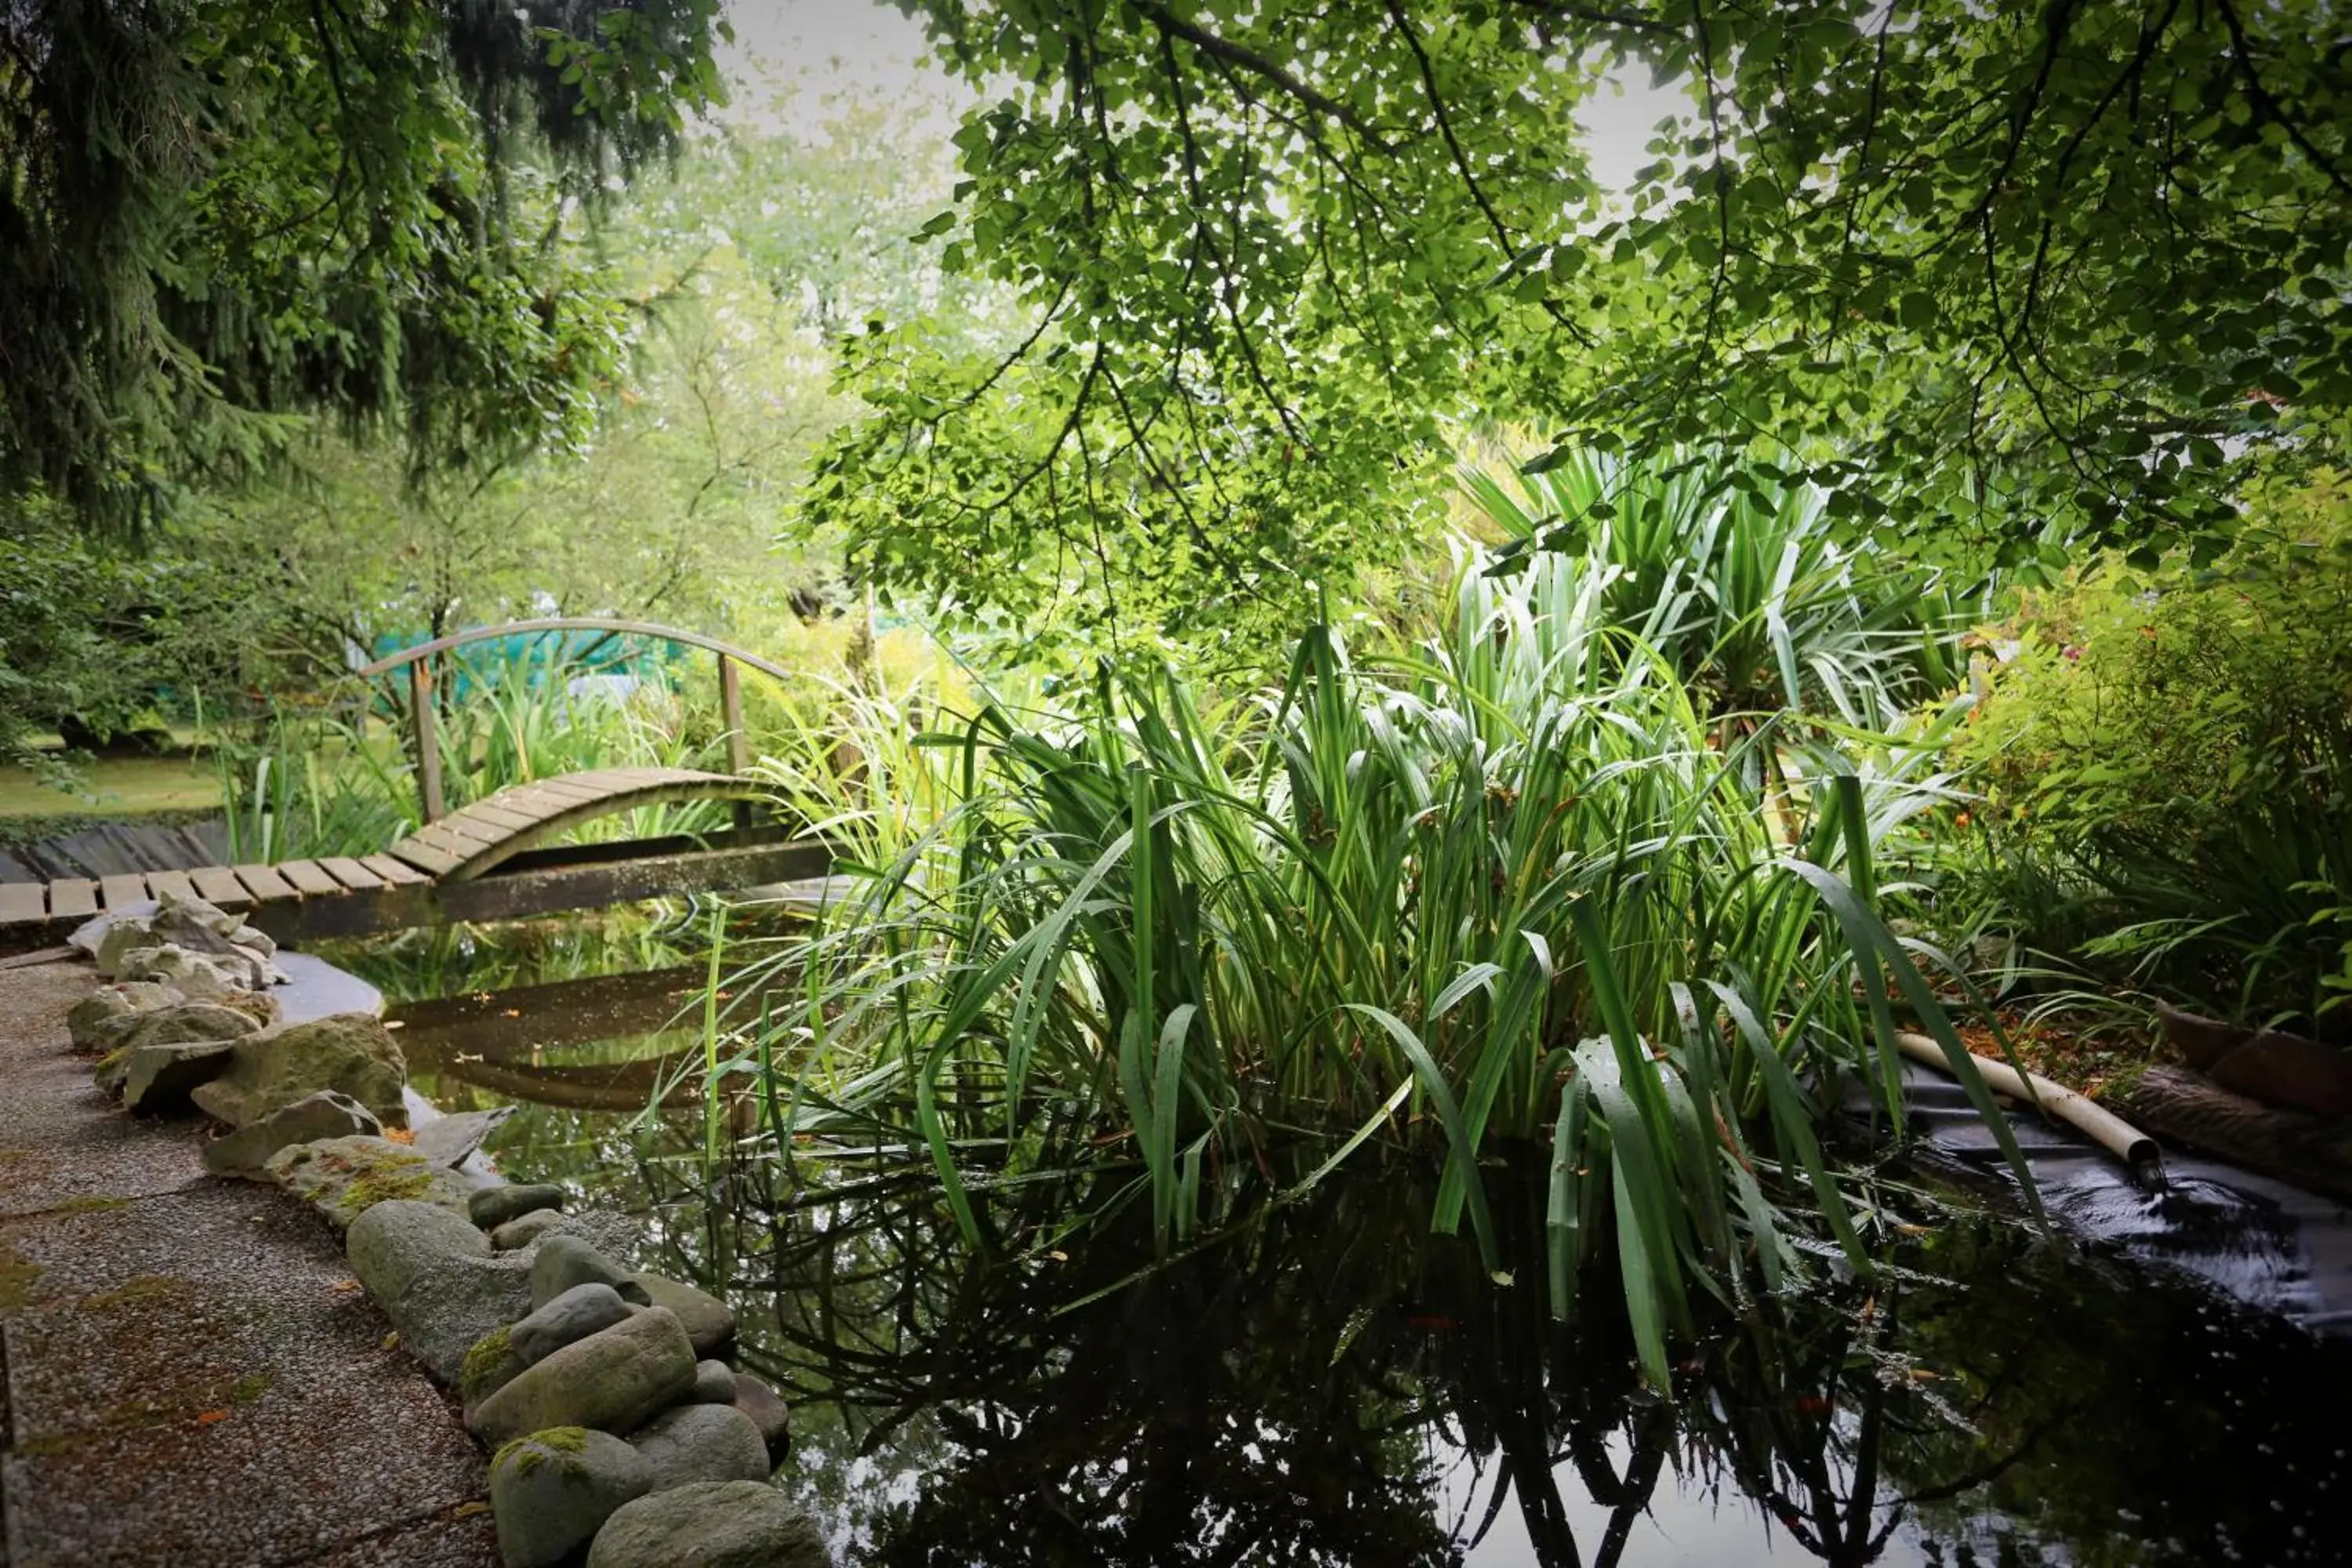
x: 117, y: 786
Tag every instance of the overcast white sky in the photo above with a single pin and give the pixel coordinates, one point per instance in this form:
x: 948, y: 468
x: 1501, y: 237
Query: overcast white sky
x: 823, y: 48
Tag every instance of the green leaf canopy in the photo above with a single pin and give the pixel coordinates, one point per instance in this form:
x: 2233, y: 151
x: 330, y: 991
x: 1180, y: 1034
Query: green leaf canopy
x: 2039, y: 274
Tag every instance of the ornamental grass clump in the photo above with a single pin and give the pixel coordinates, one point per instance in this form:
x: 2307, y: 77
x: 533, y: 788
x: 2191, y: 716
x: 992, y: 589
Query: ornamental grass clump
x: 1509, y: 888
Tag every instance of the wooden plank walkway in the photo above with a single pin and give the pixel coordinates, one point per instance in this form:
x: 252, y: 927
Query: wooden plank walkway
x: 458, y: 868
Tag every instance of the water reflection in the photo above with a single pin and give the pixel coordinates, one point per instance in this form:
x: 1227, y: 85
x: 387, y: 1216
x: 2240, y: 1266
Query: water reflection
x: 1334, y: 1387
x: 1337, y: 1388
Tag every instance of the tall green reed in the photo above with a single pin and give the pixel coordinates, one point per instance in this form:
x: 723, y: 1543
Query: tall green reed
x: 1516, y: 885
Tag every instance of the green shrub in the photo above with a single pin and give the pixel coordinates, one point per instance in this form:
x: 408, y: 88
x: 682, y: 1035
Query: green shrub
x: 2167, y: 760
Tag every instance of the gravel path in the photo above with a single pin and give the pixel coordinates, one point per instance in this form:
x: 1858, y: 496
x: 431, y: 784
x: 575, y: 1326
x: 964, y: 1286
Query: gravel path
x: 187, y: 1374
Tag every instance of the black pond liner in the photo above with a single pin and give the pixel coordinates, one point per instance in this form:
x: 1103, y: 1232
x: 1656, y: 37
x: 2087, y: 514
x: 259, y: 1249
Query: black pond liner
x: 2261, y: 1242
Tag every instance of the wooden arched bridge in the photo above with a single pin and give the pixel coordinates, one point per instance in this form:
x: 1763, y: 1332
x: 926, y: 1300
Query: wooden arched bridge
x: 500, y: 857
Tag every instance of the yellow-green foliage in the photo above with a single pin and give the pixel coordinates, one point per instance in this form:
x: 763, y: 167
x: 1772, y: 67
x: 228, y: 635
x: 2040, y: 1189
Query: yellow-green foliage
x: 2173, y: 749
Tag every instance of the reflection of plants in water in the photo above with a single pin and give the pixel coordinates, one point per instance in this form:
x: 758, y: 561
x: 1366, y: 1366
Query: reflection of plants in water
x: 1301, y: 1393
x: 1316, y: 1388
x: 429, y: 961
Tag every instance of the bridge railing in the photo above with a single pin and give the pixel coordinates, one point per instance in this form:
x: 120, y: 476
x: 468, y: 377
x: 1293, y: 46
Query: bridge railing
x: 418, y: 661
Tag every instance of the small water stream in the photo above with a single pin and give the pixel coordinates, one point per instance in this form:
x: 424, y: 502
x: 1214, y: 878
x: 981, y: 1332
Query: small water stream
x: 1336, y: 1386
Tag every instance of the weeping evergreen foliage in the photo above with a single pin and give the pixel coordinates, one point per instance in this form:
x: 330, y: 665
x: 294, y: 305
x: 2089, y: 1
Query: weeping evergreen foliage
x: 214, y: 216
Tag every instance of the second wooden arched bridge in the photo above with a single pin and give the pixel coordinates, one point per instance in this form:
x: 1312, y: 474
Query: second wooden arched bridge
x: 506, y: 856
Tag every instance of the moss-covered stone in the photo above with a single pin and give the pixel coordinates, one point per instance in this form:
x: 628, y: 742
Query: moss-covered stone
x: 488, y: 1366
x: 411, y: 1182
x: 528, y: 1452
x: 351, y: 1053
x: 345, y: 1177
x: 552, y: 1489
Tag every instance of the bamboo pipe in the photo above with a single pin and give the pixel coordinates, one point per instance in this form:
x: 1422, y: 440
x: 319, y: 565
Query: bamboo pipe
x: 2102, y: 1126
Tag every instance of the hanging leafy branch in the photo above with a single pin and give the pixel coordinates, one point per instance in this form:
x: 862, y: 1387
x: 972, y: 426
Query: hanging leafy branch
x: 2040, y: 274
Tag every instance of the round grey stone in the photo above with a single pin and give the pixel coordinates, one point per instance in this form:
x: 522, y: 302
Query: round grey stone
x: 714, y: 1382
x: 493, y: 1207
x: 710, y: 1321
x: 711, y: 1524
x: 489, y: 1365
x: 552, y: 1490
x: 768, y: 1411
x: 567, y: 1260
x: 615, y: 1381
x: 435, y: 1276
x: 521, y: 1233
x: 702, y: 1443
x: 570, y: 1317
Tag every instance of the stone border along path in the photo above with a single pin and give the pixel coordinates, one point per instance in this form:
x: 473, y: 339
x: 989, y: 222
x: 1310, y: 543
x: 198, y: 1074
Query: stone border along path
x: 192, y: 1372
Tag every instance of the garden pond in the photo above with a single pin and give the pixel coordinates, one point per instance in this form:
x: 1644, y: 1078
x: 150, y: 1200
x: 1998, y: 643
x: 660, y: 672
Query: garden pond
x: 1335, y: 1386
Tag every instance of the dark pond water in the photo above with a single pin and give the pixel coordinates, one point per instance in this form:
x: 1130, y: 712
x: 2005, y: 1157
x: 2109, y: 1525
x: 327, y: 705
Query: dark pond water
x: 1334, y: 1386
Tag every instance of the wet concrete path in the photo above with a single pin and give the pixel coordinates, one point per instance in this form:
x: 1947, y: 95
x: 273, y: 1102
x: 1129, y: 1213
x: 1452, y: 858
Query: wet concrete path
x: 188, y: 1374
